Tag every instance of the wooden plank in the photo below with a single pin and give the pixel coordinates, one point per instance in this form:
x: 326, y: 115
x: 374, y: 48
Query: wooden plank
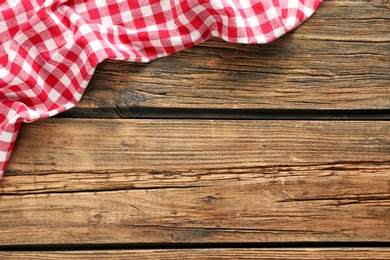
x: 247, y: 253
x: 105, y: 145
x: 161, y: 181
x: 339, y: 59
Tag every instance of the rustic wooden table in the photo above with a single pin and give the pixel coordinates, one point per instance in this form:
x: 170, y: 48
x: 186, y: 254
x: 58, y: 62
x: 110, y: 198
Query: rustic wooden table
x: 219, y: 151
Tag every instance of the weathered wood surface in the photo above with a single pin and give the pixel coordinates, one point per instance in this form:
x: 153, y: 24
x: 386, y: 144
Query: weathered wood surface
x: 105, y: 182
x: 248, y: 253
x: 339, y: 59
x: 161, y: 181
x: 86, y: 145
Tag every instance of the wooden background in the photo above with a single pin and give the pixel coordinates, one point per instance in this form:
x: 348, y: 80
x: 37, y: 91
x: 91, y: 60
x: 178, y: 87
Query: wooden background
x: 219, y: 151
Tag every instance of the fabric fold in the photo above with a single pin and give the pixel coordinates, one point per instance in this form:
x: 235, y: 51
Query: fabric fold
x: 50, y: 49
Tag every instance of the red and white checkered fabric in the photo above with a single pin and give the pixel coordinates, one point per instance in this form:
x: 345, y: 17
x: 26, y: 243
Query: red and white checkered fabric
x: 50, y: 48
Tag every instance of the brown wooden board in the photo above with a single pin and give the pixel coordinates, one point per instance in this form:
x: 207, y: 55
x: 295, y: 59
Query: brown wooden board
x: 248, y: 253
x: 339, y: 59
x: 82, y: 181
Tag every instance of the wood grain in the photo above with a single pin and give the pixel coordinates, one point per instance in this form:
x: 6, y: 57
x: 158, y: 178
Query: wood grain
x: 248, y: 253
x: 162, y: 181
x: 338, y: 59
x: 105, y: 145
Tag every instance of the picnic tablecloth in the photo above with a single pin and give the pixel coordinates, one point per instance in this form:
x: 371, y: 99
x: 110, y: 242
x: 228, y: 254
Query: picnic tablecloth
x: 49, y: 49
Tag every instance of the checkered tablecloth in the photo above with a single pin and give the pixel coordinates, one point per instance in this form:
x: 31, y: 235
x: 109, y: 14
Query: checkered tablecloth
x: 50, y: 48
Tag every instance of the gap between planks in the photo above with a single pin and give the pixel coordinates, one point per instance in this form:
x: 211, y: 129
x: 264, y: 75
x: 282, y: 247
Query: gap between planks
x: 228, y: 114
x: 247, y: 253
